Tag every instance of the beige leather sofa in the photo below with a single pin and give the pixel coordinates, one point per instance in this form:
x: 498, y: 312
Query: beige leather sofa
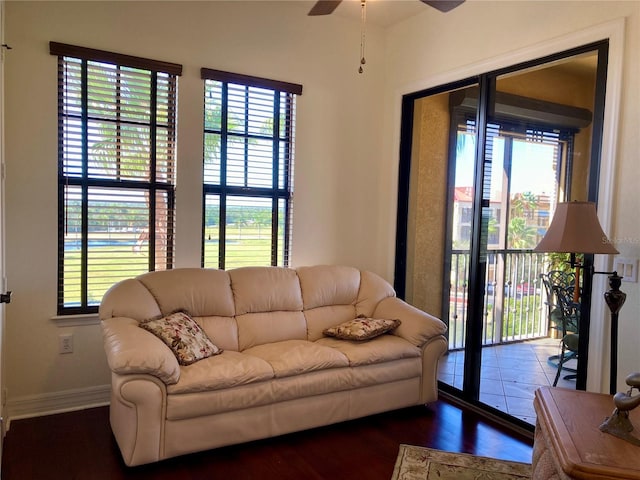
x: 278, y: 373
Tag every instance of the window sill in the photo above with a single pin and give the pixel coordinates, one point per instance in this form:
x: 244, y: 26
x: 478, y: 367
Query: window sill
x: 76, y: 320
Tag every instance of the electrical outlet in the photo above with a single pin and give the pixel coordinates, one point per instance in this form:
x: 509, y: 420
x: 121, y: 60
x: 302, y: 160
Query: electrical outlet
x: 65, y: 343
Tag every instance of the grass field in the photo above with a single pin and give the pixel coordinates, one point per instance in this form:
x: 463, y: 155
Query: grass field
x: 115, y: 257
x: 245, y: 246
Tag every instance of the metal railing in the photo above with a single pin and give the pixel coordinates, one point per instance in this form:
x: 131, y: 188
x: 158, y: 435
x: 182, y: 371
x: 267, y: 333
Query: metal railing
x: 514, y: 300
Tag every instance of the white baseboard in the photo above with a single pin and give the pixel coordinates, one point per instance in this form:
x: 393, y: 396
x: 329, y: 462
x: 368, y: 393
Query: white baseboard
x: 57, y: 402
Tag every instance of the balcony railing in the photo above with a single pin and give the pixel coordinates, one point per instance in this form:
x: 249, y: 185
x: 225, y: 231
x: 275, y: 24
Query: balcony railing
x: 514, y: 300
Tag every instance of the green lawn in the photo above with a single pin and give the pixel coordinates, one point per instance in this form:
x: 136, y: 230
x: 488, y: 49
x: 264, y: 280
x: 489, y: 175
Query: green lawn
x: 107, y: 265
x: 246, y: 245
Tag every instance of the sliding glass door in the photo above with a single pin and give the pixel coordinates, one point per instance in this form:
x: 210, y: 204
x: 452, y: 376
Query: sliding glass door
x: 484, y: 162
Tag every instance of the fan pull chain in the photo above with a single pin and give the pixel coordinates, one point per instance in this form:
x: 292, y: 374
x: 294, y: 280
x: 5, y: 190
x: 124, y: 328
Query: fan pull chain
x: 363, y: 22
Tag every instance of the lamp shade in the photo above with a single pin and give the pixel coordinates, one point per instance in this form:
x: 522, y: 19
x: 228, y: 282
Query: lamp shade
x: 575, y: 229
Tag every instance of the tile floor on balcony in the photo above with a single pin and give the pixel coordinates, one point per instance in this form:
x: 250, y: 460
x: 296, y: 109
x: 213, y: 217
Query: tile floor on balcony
x: 510, y: 374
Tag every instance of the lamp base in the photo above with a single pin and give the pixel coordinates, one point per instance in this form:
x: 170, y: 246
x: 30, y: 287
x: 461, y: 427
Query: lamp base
x: 615, y: 299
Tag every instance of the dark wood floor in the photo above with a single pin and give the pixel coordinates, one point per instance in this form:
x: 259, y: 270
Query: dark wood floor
x: 79, y: 445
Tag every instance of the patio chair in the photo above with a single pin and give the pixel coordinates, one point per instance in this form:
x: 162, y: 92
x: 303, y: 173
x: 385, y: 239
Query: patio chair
x: 558, y: 283
x: 556, y: 278
x: 568, y: 314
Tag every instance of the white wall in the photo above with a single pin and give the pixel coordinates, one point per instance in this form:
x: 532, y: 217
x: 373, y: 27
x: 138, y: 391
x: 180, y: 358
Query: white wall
x: 479, y: 36
x: 346, y: 142
x: 336, y: 169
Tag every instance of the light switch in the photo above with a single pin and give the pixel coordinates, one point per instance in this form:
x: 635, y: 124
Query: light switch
x: 627, y: 268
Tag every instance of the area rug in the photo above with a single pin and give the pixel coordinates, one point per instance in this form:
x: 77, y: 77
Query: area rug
x: 421, y: 463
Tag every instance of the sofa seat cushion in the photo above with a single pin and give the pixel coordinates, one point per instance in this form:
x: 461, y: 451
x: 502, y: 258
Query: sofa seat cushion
x: 229, y: 369
x: 344, y: 379
x: 293, y: 357
x: 191, y: 405
x: 386, y: 372
x: 312, y: 384
x: 380, y: 349
x: 211, y: 402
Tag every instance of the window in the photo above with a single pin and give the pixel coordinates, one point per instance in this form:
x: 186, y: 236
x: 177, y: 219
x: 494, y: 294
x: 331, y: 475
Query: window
x: 248, y: 162
x: 116, y: 137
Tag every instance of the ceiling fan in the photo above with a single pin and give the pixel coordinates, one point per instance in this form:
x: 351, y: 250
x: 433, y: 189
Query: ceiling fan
x: 325, y: 7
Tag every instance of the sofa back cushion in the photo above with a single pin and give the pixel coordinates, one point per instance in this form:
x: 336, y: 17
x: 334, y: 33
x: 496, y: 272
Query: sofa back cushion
x: 250, y: 306
x: 198, y: 291
x: 335, y: 294
x: 265, y: 289
x: 373, y: 289
x: 268, y: 327
x: 324, y: 285
x: 329, y: 294
x: 268, y: 305
x: 324, y: 317
x: 223, y: 331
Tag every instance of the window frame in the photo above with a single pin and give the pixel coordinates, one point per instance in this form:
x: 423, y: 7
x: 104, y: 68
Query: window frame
x: 281, y: 189
x: 85, y: 181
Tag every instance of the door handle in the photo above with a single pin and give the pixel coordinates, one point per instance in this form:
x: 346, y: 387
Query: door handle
x: 5, y: 297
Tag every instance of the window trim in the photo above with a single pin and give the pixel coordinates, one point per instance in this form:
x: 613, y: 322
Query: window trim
x: 250, y: 81
x: 66, y: 50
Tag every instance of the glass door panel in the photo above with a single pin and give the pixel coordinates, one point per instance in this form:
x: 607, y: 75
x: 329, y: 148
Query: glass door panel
x: 483, y: 166
x: 531, y: 156
x: 431, y: 183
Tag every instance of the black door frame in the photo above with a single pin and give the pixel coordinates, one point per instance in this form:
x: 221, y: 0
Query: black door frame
x: 473, y: 335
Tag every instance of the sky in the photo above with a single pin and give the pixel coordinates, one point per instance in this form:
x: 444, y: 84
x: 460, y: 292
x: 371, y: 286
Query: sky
x: 532, y: 166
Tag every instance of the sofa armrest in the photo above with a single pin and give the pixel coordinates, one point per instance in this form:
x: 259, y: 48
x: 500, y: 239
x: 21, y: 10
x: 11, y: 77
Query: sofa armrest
x: 432, y: 351
x: 131, y: 349
x: 136, y: 413
x: 417, y: 326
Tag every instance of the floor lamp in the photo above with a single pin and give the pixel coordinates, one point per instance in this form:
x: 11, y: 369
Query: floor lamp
x: 575, y: 229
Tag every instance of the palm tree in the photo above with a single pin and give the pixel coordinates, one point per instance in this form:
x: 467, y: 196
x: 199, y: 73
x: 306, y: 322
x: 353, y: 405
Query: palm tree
x: 121, y: 149
x: 520, y: 234
x: 523, y: 203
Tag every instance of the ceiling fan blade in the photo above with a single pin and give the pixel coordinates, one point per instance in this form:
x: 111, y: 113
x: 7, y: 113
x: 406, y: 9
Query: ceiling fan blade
x: 443, y: 5
x: 324, y: 7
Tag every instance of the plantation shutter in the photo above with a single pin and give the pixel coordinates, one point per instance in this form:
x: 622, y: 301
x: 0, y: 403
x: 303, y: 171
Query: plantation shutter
x: 116, y: 163
x: 249, y: 130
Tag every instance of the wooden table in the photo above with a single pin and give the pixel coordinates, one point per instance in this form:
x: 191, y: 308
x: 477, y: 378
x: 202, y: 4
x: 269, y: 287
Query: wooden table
x: 569, y: 444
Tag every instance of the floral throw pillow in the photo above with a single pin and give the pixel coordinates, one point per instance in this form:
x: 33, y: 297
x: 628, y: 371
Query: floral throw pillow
x: 361, y: 328
x: 183, y: 336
